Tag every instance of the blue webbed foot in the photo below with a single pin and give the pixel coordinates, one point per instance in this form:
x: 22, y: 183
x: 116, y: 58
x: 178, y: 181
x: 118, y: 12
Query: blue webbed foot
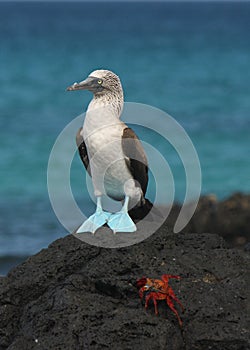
x: 94, y: 222
x: 121, y: 222
x: 98, y: 219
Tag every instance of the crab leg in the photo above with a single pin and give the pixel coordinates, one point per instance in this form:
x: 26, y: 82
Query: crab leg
x: 148, y: 298
x: 166, y: 277
x: 155, y: 304
x: 171, y: 305
x: 178, y: 301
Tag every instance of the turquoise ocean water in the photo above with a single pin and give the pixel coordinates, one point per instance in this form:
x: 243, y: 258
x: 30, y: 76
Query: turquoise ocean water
x: 190, y: 59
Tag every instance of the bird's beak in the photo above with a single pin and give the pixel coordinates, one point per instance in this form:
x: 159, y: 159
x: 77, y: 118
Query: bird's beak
x: 83, y: 85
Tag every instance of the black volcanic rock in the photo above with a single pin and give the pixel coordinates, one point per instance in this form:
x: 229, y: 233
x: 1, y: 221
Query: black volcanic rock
x: 229, y: 218
x: 76, y: 296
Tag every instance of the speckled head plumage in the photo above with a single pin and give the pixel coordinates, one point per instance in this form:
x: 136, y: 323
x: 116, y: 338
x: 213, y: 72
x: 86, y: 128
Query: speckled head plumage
x: 106, y: 87
x: 100, y: 82
x: 110, y: 81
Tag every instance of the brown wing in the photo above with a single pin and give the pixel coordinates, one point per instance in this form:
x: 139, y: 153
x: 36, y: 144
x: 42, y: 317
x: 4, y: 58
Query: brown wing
x: 136, y: 157
x: 82, y: 150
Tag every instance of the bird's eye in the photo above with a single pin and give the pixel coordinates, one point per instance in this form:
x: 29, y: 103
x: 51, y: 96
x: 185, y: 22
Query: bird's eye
x: 99, y: 81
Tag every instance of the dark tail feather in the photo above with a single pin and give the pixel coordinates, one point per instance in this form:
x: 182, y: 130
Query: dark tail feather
x: 139, y: 212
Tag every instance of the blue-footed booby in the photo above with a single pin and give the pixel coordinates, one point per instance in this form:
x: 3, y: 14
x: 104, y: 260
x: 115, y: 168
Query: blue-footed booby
x: 112, y: 154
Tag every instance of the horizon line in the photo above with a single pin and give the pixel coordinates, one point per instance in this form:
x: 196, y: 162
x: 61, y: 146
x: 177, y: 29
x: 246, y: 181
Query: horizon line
x: 131, y: 1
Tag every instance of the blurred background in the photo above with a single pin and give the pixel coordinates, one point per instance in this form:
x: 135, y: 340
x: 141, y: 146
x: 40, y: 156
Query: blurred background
x: 190, y: 59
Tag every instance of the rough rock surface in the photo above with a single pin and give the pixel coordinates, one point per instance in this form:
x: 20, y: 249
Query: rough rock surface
x: 229, y: 218
x: 76, y: 296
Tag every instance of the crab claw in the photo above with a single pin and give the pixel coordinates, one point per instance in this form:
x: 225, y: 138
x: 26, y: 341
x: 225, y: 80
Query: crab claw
x: 141, y: 282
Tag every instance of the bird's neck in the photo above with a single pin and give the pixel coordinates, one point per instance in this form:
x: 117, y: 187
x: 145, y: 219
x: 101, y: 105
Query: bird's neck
x: 111, y: 102
x: 103, y: 111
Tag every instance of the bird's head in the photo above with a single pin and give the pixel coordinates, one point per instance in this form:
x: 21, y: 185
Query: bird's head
x: 99, y: 82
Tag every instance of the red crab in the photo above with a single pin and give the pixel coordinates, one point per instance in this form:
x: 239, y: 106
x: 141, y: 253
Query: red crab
x: 159, y: 290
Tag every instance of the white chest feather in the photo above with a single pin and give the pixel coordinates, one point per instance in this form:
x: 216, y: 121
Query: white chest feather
x: 102, y: 132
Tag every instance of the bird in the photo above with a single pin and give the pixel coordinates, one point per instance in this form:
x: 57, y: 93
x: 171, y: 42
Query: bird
x: 112, y: 155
